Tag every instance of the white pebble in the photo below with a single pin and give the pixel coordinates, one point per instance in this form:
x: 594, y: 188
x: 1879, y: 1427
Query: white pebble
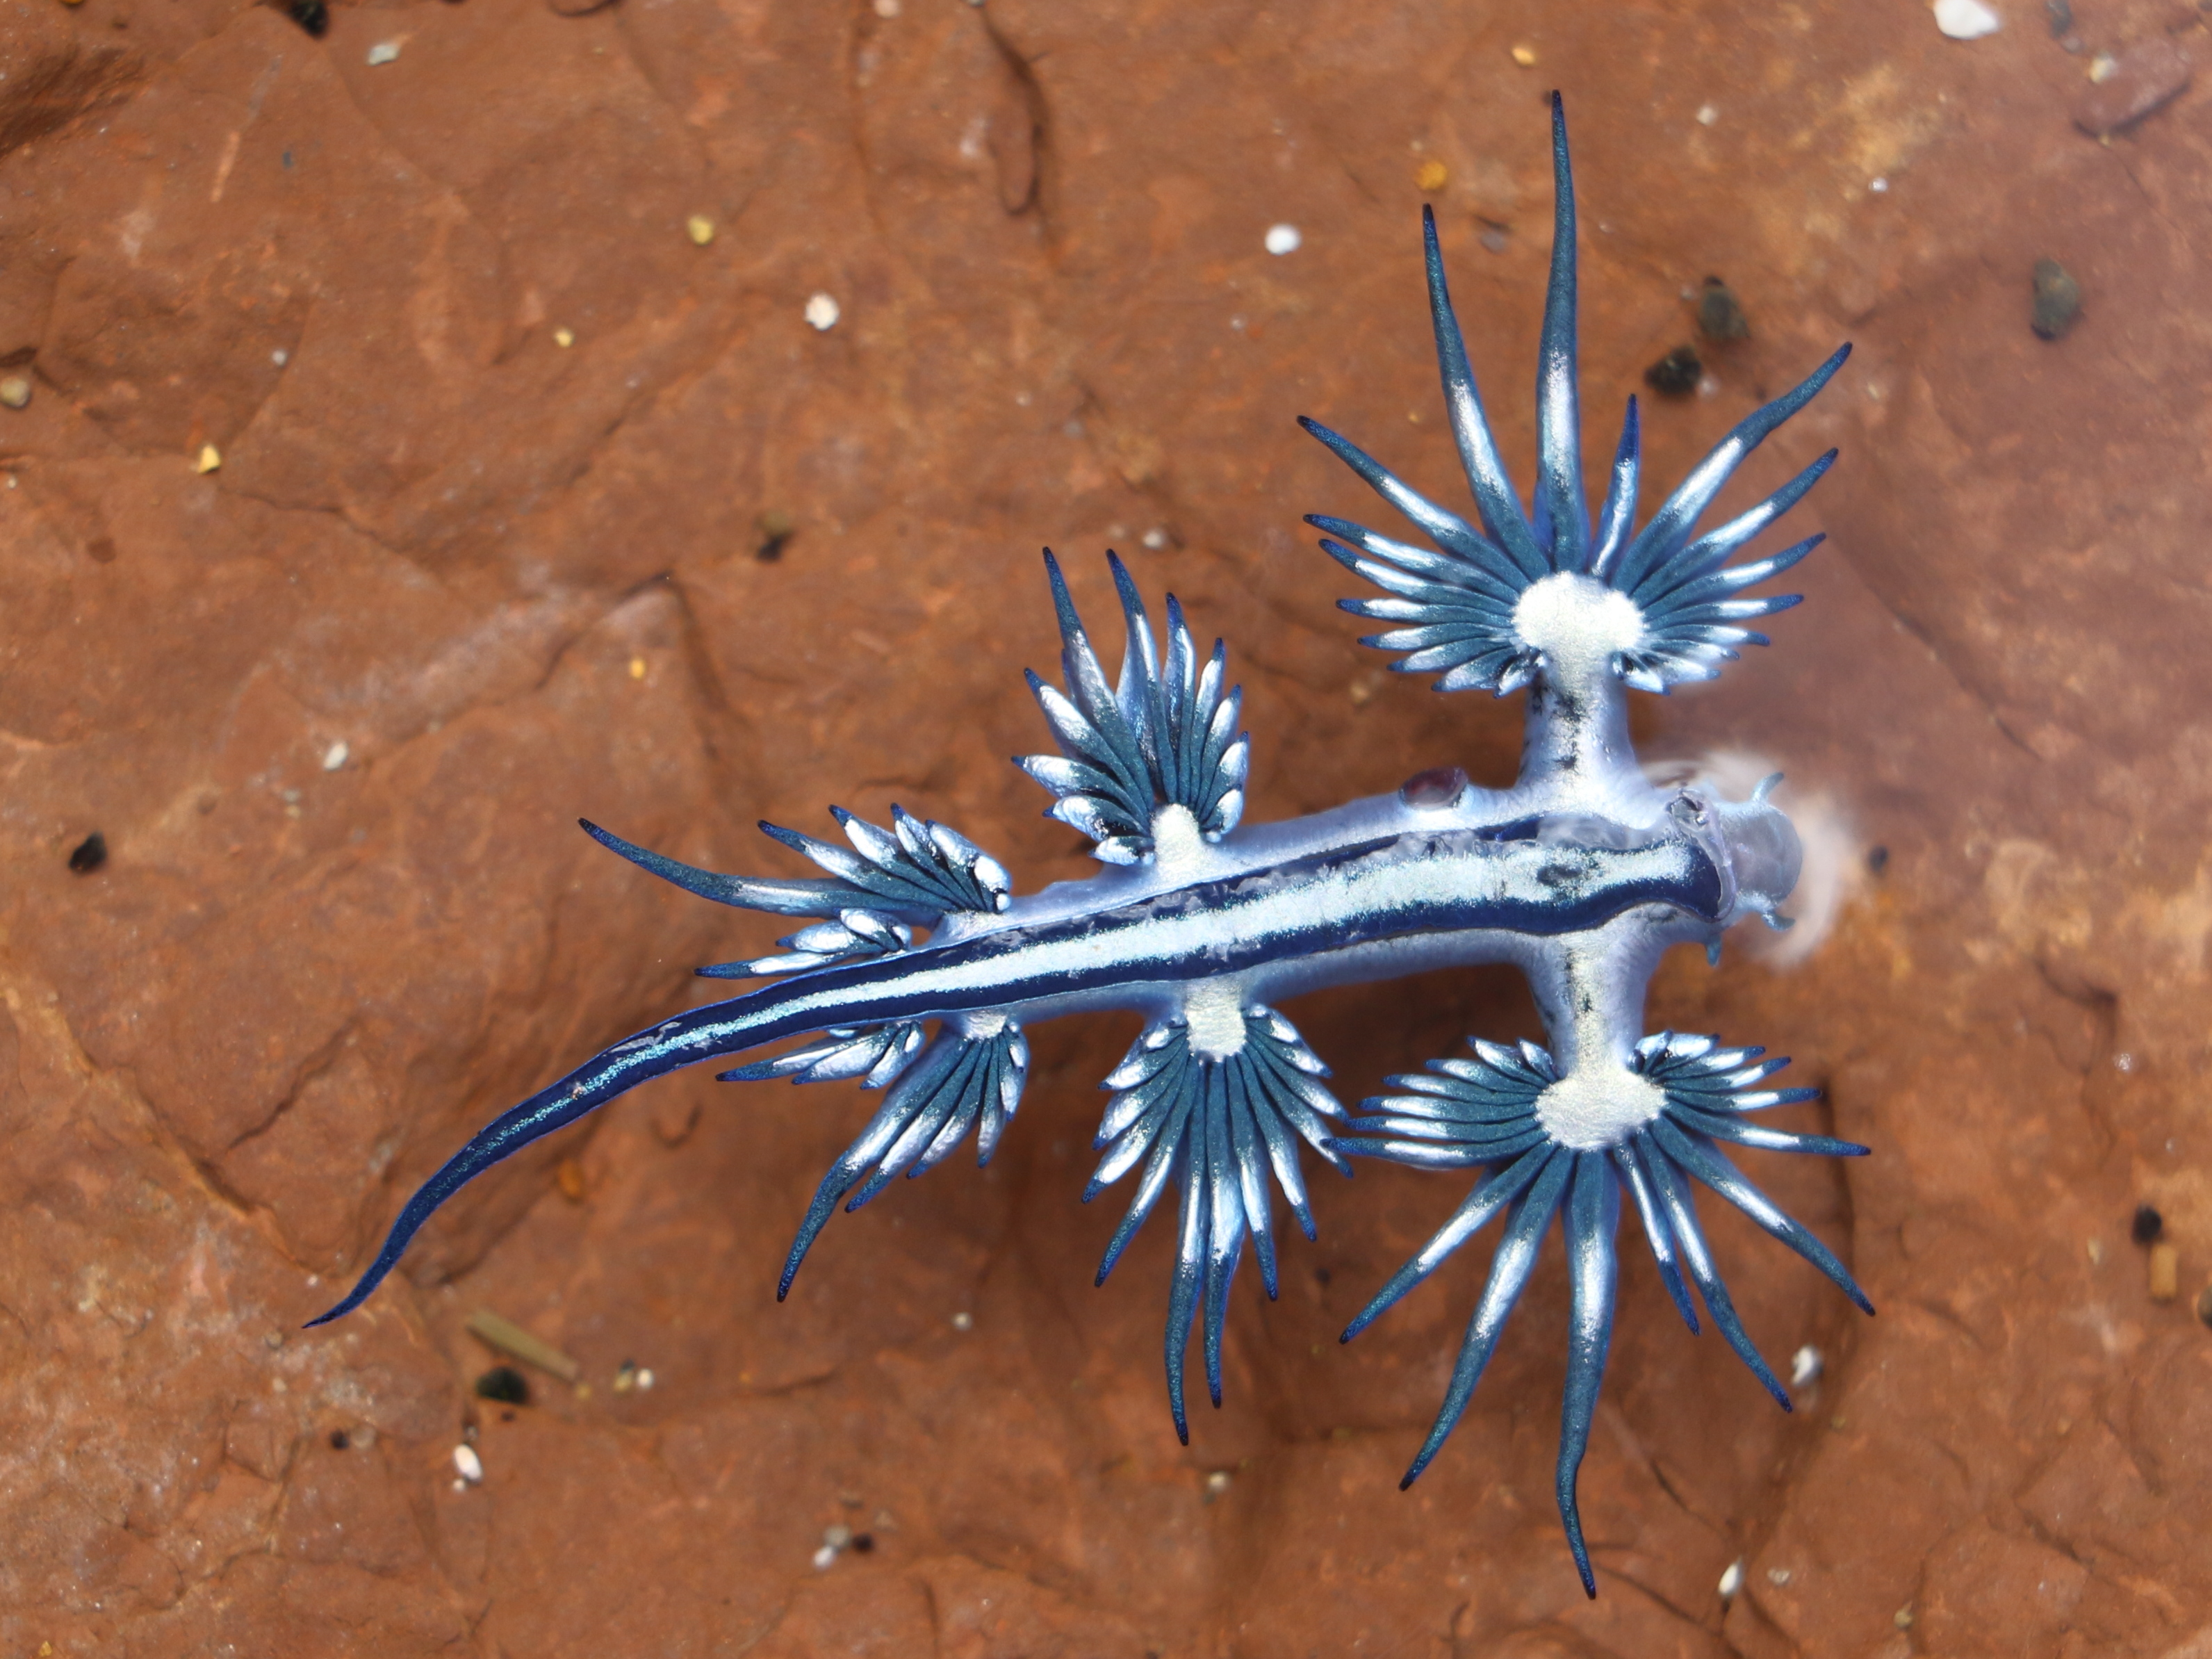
x: 1156, y: 538
x: 1778, y: 1576
x: 964, y: 1322
x: 383, y: 51
x: 1966, y: 19
x: 1283, y: 239
x: 280, y: 357
x: 644, y: 1378
x: 822, y: 314
x: 1732, y: 1580
x: 1879, y: 186
x: 335, y: 755
x: 1707, y: 115
x: 822, y: 1557
x: 467, y: 1464
x: 1805, y: 1367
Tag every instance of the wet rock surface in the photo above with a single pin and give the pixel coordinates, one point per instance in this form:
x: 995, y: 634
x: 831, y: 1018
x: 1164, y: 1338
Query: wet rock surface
x: 332, y: 706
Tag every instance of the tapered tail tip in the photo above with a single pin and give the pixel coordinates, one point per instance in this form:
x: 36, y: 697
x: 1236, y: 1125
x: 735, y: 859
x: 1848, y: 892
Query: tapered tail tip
x: 338, y: 1312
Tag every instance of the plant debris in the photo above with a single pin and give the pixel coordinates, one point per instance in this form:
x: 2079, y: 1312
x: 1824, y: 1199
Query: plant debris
x: 2165, y: 1273
x: 510, y: 1339
x: 776, y: 528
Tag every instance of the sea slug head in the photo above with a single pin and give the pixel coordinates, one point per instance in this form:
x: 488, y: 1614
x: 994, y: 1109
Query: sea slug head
x: 1763, y: 849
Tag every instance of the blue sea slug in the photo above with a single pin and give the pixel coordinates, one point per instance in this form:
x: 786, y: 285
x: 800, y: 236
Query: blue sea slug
x: 919, y: 969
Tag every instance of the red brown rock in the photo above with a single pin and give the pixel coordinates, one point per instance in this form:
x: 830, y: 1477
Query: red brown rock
x: 519, y: 583
x: 2151, y: 72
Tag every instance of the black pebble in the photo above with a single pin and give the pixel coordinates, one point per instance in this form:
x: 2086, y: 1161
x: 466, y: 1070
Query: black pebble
x: 2058, y: 300
x: 2147, y: 1226
x: 505, y: 1384
x: 1877, y: 859
x: 1719, y: 316
x: 312, y: 15
x: 1677, y: 374
x: 863, y: 1542
x: 88, y: 855
x: 338, y: 1440
x: 2060, y: 15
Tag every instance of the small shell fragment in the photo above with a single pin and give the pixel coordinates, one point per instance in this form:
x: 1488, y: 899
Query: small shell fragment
x: 383, y: 51
x: 208, y: 459
x: 1432, y: 174
x: 700, y: 228
x: 1525, y: 56
x: 2165, y: 1273
x: 1805, y: 1367
x: 822, y: 313
x: 467, y: 1464
x: 1732, y: 1579
x: 1966, y: 19
x: 1283, y: 239
x: 15, y: 391
x: 564, y: 338
x: 964, y: 1321
x: 335, y: 755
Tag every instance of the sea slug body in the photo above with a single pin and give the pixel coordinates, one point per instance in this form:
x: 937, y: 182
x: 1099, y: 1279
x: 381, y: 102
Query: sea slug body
x: 918, y: 969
